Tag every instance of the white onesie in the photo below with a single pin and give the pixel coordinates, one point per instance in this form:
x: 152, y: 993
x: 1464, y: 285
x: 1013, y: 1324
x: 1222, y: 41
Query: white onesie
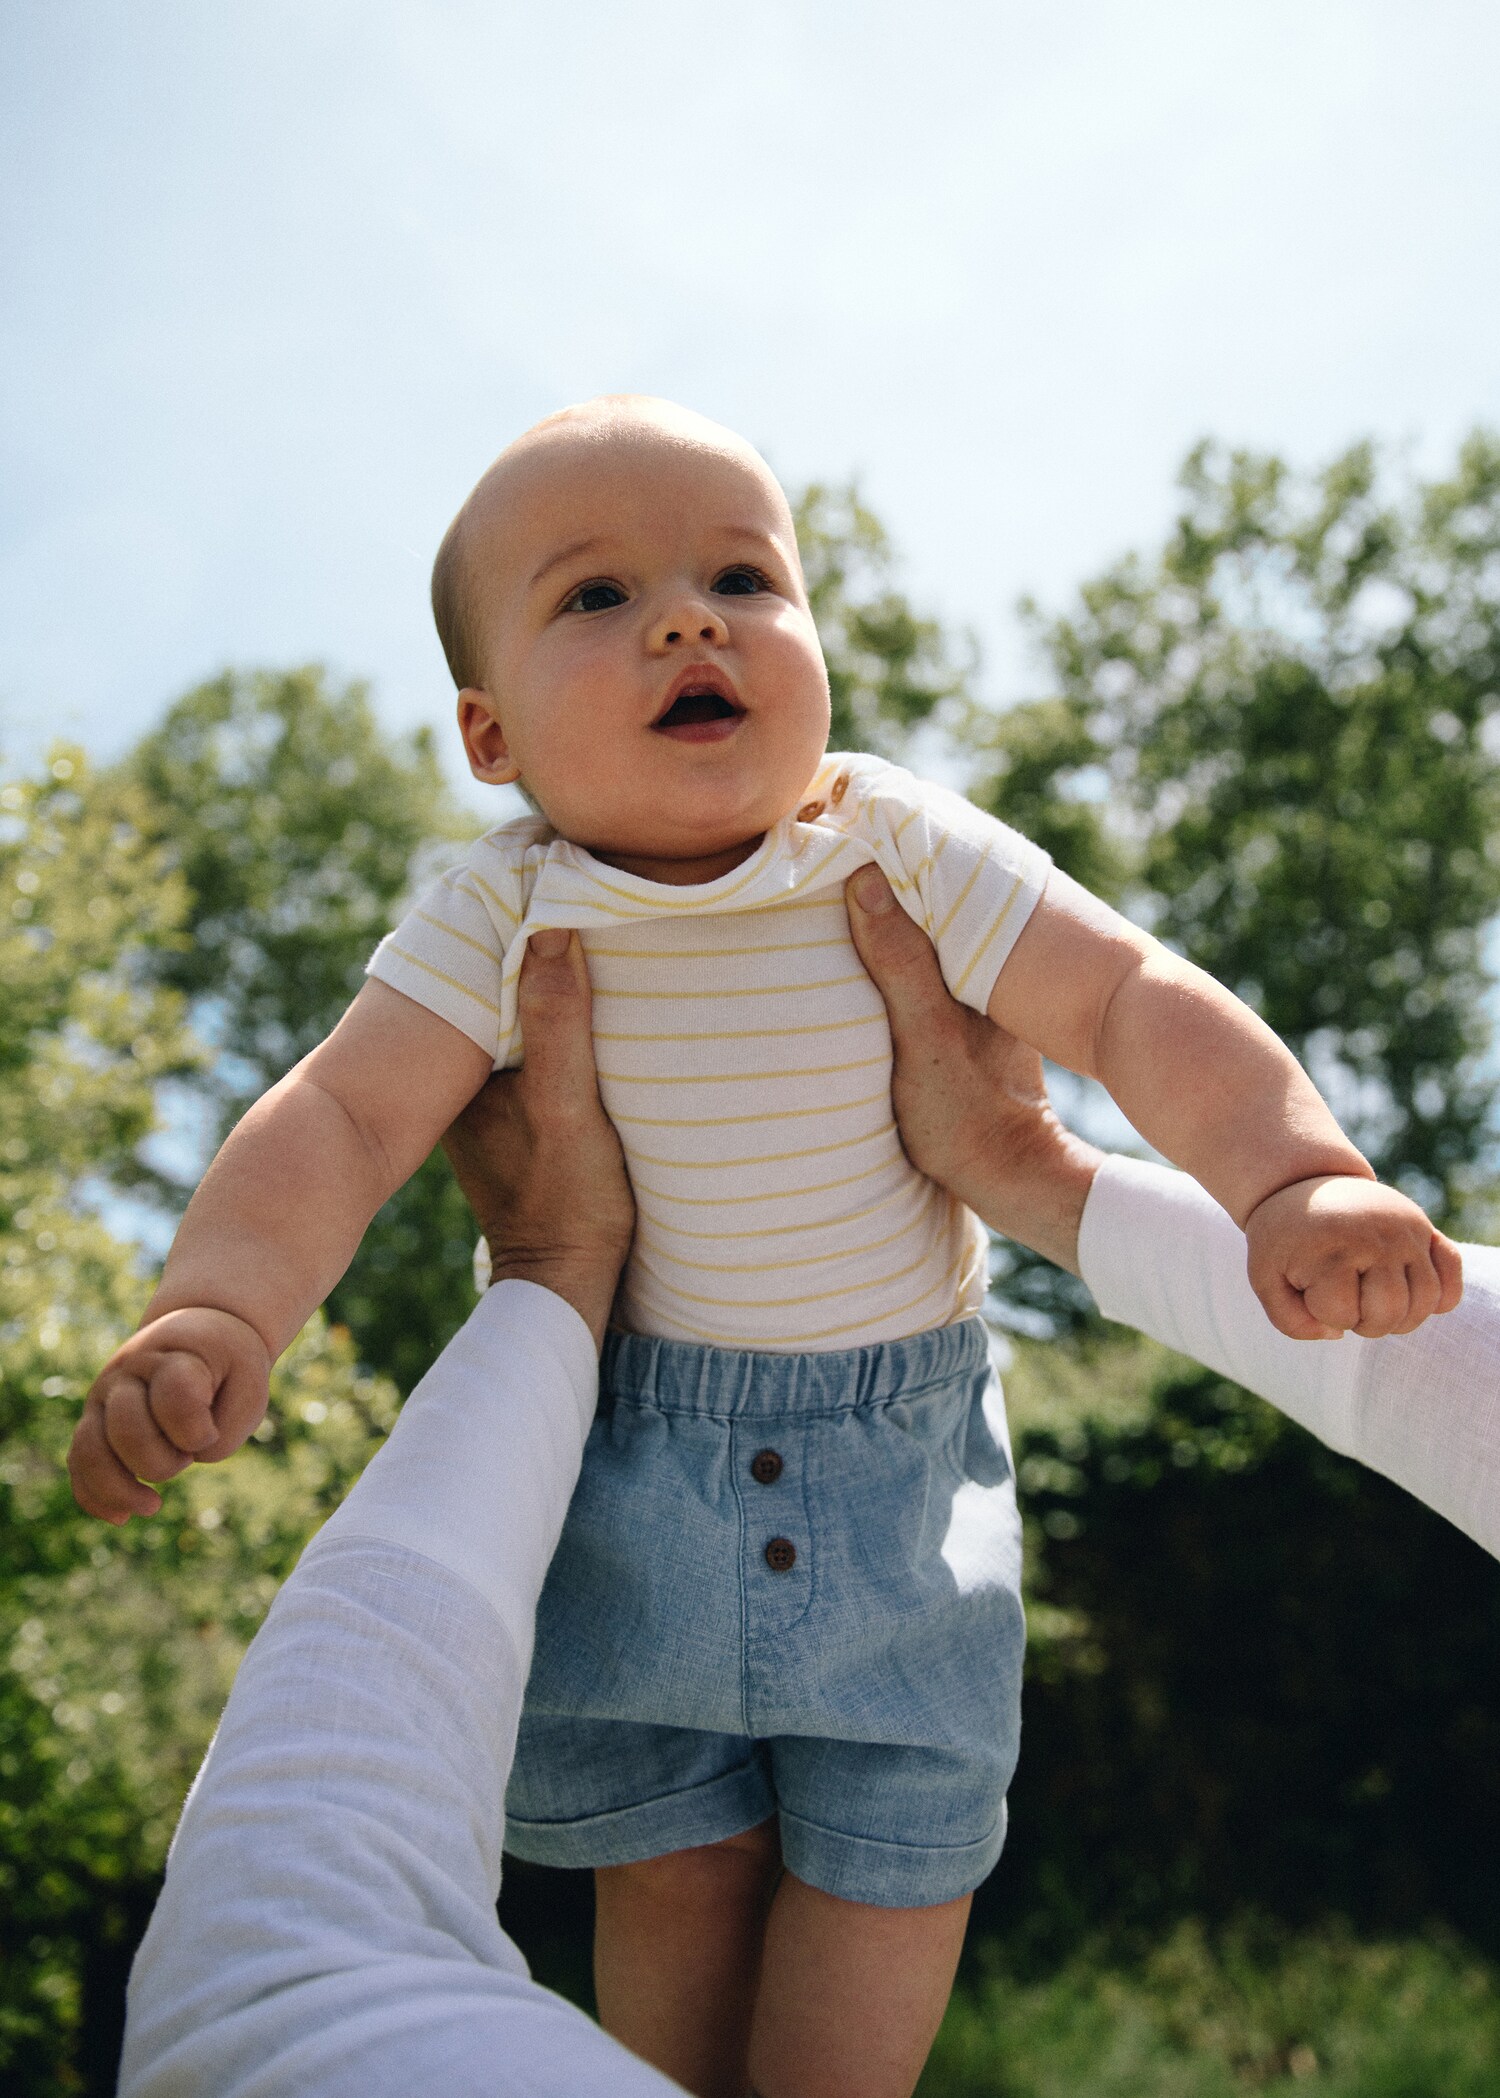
x: 744, y: 1055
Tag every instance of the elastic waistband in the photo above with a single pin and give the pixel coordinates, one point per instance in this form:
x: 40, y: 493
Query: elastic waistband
x: 684, y: 1376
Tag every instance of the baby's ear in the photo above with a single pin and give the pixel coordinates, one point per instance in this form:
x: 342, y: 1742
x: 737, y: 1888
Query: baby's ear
x: 484, y: 739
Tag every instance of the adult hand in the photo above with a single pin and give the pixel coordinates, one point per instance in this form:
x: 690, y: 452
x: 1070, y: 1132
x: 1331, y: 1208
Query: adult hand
x: 970, y: 1100
x: 534, y: 1153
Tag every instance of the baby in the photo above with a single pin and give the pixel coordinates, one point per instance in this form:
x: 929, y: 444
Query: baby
x: 775, y: 1693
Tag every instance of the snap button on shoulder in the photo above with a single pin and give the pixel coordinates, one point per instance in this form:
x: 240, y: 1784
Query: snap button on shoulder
x: 781, y: 1555
x: 765, y: 1467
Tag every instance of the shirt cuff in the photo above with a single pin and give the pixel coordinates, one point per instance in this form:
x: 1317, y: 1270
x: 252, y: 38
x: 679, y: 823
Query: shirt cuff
x: 479, y: 1469
x: 1160, y: 1254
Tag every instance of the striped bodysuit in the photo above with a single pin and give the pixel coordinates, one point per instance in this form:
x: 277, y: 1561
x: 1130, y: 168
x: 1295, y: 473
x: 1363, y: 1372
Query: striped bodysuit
x: 744, y: 1054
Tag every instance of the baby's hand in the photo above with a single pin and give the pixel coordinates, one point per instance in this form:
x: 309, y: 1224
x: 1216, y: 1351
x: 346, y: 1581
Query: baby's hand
x: 1346, y: 1254
x: 186, y: 1389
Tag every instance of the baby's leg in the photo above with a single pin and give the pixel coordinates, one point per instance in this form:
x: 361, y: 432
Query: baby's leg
x: 851, y: 1996
x: 677, y: 1951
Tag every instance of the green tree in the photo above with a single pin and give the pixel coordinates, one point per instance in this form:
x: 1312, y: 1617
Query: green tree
x: 1275, y: 739
x: 890, y: 670
x: 1260, y: 1676
x: 116, y: 1646
x: 297, y: 828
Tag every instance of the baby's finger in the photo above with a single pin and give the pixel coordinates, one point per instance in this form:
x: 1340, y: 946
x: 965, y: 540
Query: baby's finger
x: 1424, y: 1293
x: 181, y: 1397
x: 102, y: 1485
x: 1287, y: 1310
x: 239, y: 1408
x: 1449, y: 1263
x: 132, y: 1433
x: 1332, y: 1296
x: 1384, y: 1302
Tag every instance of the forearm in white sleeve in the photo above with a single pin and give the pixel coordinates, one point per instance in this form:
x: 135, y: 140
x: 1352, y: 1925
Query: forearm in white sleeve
x: 1421, y: 1408
x: 328, y: 1921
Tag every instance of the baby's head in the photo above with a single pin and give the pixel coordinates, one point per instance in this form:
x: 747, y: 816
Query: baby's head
x: 622, y: 607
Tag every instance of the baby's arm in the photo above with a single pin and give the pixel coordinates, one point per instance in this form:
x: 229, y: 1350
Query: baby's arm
x: 1213, y: 1089
x: 268, y: 1233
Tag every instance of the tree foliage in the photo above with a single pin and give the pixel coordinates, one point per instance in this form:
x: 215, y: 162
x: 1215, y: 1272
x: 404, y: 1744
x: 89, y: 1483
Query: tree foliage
x: 1276, y: 739
x: 1259, y: 1676
x: 297, y: 829
x: 890, y: 670
x: 117, y: 1647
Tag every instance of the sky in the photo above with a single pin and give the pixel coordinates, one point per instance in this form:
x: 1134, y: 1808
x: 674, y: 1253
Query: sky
x: 277, y: 280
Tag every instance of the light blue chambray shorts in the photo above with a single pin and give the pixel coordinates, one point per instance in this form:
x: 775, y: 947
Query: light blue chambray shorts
x: 787, y: 1585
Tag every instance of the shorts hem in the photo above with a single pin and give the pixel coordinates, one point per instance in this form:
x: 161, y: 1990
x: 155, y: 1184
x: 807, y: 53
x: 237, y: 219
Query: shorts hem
x: 706, y: 1813
x: 887, y: 1875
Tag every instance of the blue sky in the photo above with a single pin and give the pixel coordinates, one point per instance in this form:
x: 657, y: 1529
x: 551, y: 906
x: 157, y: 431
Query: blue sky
x: 276, y: 281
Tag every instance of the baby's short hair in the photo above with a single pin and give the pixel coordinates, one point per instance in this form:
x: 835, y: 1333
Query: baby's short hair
x: 452, y: 604
x: 453, y: 593
x: 452, y: 571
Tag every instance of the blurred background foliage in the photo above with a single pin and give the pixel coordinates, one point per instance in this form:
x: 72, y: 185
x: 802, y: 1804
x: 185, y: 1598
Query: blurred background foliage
x: 1255, y: 1831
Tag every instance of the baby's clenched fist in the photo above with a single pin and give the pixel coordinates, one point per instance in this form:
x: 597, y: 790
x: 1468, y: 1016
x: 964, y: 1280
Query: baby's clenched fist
x: 1344, y: 1254
x: 186, y: 1389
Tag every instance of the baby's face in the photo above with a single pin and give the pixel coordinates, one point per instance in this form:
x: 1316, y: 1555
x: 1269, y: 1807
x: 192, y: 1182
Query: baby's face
x: 652, y: 671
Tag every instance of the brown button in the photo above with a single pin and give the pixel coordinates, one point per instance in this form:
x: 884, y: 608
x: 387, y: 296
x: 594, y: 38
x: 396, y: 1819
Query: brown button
x: 781, y: 1555
x: 765, y: 1466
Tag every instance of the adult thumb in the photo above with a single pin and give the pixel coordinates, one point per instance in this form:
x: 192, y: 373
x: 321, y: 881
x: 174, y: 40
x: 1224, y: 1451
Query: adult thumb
x: 898, y: 954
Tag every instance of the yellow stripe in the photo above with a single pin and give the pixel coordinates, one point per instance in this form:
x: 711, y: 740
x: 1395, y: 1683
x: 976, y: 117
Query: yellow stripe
x: 989, y: 939
x: 808, y: 1260
x: 910, y: 817
x: 779, y: 1114
x: 963, y: 896
x: 749, y: 1034
x: 711, y: 904
x: 838, y: 1223
x: 495, y: 898
x: 788, y: 1342
x: 668, y: 903
x: 773, y: 1158
x: 795, y: 902
x: 755, y: 990
x: 863, y: 1063
x: 776, y: 1194
x: 790, y: 902
x: 924, y: 865
x: 452, y: 981
x: 822, y: 1296
x: 706, y: 954
x: 453, y: 933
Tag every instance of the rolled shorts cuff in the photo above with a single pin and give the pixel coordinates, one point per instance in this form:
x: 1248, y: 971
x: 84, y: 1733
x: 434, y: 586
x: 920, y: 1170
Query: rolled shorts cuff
x: 888, y: 1875
x: 722, y: 1806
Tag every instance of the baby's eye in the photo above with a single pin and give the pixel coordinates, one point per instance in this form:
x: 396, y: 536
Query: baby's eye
x: 595, y: 597
x: 740, y: 582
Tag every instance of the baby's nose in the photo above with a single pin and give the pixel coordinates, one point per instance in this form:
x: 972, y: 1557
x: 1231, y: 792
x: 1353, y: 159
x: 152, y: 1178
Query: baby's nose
x: 688, y: 623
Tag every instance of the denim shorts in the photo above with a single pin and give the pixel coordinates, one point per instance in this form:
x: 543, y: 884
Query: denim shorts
x: 787, y: 1585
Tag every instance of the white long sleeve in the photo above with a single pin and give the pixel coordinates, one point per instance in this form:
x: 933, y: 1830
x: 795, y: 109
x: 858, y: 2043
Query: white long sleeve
x: 328, y: 1922
x: 1421, y: 1408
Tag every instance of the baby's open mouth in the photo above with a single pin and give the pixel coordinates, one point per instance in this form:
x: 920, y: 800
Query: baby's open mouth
x: 702, y: 706
x: 693, y: 709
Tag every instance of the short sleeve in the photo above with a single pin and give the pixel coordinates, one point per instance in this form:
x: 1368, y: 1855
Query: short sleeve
x: 448, y: 952
x: 969, y: 880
